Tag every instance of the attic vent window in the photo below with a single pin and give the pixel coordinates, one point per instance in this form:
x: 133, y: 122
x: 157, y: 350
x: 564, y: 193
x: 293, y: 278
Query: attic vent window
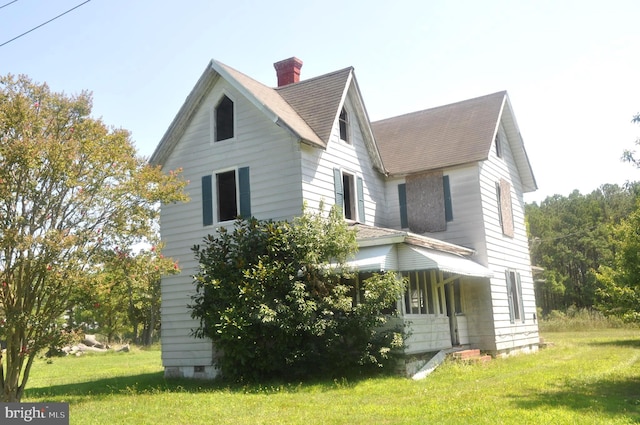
x: 498, y: 146
x: 224, y: 119
x: 344, y: 125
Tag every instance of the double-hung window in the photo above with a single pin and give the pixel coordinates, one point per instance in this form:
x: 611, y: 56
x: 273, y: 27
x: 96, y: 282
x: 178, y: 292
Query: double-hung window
x: 514, y: 294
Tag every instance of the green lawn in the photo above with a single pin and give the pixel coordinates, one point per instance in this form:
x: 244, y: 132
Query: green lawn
x: 585, y: 378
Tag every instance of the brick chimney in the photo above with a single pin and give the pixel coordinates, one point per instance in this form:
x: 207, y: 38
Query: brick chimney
x: 288, y: 71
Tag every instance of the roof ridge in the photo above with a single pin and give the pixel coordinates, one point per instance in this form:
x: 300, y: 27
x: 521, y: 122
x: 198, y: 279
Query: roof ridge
x: 434, y: 108
x: 314, y: 79
x: 242, y: 73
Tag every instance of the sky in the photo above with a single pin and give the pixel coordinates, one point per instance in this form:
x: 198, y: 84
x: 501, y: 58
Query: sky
x: 571, y: 68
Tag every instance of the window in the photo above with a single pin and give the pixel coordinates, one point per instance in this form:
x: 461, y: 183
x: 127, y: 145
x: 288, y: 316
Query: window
x: 514, y: 294
x: 349, y: 195
x: 232, y: 196
x: 344, y: 125
x: 425, y: 203
x: 347, y: 187
x: 498, y: 146
x: 505, y: 210
x: 227, y: 199
x: 420, y: 296
x: 223, y: 117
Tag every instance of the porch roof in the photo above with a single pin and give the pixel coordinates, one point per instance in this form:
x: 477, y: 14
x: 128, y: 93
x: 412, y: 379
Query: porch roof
x: 389, y: 249
x: 419, y: 258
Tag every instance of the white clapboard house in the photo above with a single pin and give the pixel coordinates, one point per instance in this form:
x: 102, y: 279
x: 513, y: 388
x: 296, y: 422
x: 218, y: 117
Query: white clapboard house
x: 436, y: 195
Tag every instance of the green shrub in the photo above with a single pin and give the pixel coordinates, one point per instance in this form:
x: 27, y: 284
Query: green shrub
x: 277, y: 301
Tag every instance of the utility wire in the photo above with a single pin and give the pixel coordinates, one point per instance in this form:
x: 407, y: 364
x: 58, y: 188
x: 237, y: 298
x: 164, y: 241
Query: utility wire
x: 7, y: 4
x: 43, y: 24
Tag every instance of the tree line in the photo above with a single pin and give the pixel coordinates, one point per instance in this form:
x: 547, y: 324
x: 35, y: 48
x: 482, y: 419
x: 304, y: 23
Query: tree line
x: 570, y: 238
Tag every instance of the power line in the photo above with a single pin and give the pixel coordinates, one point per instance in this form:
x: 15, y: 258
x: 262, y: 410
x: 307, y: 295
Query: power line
x: 7, y: 4
x: 43, y: 24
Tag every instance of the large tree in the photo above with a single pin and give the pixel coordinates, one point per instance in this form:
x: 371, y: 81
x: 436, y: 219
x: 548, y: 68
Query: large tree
x: 70, y: 188
x: 123, y: 298
x: 277, y: 301
x: 619, y: 294
x: 571, y: 237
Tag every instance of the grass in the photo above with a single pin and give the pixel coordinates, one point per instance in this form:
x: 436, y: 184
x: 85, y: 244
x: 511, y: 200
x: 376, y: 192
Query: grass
x: 586, y: 377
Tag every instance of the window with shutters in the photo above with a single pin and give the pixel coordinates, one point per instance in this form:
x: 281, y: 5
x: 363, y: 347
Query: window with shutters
x: 223, y: 118
x: 227, y: 199
x: 425, y: 203
x: 349, y: 194
x: 231, y: 191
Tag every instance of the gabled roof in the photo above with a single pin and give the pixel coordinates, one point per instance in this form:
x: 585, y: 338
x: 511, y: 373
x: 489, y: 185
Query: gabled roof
x: 449, y: 135
x: 419, y: 253
x: 317, y: 100
x: 264, y: 98
x: 307, y: 109
x: 440, y: 137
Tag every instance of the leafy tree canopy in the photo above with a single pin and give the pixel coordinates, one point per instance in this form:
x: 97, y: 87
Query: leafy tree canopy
x: 277, y: 301
x: 70, y: 189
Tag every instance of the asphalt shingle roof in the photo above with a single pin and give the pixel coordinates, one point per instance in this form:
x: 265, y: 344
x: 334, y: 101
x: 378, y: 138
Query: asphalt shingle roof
x: 317, y: 100
x: 440, y: 137
x: 271, y: 99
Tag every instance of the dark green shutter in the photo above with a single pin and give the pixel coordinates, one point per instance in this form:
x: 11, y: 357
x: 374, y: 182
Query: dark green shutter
x: 448, y: 208
x: 360, y: 190
x: 402, y: 196
x: 512, y: 316
x: 337, y: 187
x: 245, y: 192
x: 520, y: 301
x: 207, y: 201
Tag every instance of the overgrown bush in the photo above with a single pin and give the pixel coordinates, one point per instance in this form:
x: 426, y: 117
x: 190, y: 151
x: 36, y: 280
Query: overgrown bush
x: 278, y: 302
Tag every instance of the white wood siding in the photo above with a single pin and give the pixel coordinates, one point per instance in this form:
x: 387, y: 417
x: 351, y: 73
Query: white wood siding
x: 318, y: 165
x: 466, y: 228
x: 428, y: 332
x: 476, y: 225
x: 276, y: 192
x: 503, y: 252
